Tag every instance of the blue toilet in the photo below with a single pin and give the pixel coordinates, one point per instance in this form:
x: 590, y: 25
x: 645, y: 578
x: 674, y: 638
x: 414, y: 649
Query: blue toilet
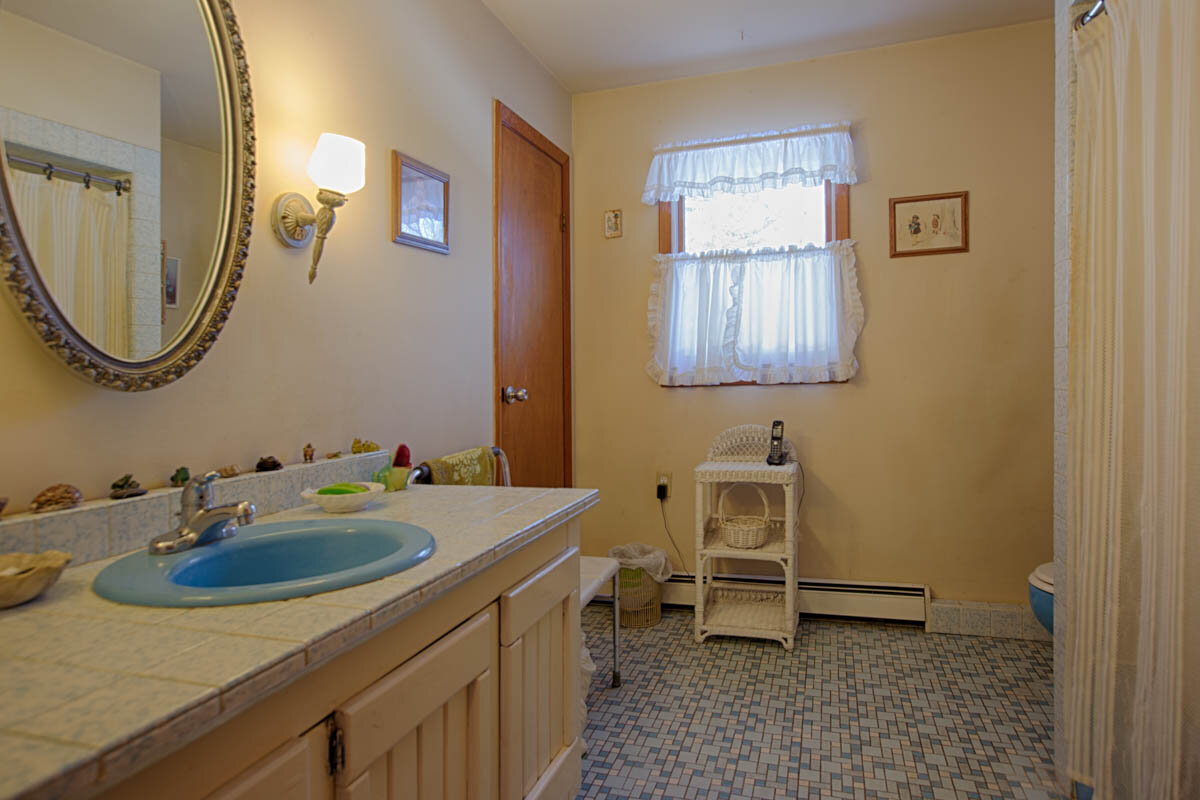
x: 1041, y: 595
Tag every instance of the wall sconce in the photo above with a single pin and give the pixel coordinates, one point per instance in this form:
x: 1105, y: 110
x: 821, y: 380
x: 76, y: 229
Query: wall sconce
x: 338, y: 167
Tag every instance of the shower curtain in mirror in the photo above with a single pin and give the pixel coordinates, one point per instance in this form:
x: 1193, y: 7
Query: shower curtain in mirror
x: 79, y: 239
x: 1132, y: 689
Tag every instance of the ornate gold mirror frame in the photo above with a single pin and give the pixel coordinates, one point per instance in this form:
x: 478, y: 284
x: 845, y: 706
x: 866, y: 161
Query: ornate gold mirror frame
x: 34, y: 302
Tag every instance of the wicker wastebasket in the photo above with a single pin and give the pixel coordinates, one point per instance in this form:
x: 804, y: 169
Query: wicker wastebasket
x: 643, y: 569
x: 641, y: 598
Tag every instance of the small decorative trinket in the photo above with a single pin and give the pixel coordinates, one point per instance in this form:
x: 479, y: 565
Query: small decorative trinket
x: 309, y: 452
x: 267, y: 464
x: 180, y: 476
x: 58, y: 497
x: 126, y: 486
x: 334, y: 454
x: 3, y: 503
x: 364, y: 446
x: 228, y: 471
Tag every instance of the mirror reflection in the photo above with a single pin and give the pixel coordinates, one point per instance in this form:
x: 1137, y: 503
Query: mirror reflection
x: 111, y: 118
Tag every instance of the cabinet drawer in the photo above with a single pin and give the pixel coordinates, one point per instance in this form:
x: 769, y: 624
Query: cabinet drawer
x: 531, y: 599
x: 428, y: 728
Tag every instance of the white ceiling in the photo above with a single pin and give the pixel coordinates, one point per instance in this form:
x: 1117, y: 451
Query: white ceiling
x: 166, y: 35
x: 591, y: 45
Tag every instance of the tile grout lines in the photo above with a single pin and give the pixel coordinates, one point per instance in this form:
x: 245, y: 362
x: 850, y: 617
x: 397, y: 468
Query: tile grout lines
x: 857, y: 710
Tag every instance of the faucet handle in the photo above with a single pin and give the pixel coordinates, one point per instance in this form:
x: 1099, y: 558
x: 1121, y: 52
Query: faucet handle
x: 198, y: 493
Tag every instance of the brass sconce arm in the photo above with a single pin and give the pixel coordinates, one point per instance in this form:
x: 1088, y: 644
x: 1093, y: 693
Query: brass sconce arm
x: 295, y: 224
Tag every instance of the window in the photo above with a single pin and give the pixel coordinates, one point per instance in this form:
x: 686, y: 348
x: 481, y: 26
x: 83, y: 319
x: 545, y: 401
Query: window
x: 756, y: 279
x: 793, y: 215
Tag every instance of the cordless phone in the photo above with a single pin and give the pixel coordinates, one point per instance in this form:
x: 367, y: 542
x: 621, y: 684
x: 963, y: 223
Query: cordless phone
x: 777, y: 455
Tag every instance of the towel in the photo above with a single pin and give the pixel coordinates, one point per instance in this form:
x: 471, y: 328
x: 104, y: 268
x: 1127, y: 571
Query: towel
x: 474, y: 467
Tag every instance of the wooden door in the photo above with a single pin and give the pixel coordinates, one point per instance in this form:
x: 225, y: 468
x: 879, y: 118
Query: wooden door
x: 539, y: 683
x: 428, y: 729
x: 533, y: 313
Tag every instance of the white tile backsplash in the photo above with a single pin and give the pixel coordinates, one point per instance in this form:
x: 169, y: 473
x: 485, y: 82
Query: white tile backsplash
x: 101, y: 528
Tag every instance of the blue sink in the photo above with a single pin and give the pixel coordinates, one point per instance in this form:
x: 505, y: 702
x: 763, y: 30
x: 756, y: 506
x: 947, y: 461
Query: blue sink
x: 268, y: 561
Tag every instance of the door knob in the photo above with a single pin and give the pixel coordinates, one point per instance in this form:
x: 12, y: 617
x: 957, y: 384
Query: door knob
x: 511, y: 394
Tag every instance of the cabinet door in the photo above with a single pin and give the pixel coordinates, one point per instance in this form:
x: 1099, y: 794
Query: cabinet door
x: 427, y: 730
x: 539, y: 668
x: 296, y: 771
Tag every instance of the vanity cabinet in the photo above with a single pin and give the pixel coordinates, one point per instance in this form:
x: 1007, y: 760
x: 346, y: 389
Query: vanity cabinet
x: 295, y: 771
x: 539, y: 676
x: 427, y: 730
x: 471, y: 697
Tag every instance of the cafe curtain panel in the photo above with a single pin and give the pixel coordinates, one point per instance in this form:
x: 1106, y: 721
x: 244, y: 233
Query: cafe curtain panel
x: 1132, y: 701
x: 787, y: 315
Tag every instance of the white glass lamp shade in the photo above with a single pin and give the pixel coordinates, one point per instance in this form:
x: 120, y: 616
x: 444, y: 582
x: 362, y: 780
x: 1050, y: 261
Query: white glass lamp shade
x: 338, y: 163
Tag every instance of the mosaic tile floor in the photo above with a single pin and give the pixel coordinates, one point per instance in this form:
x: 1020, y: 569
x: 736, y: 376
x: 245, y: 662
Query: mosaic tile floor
x: 856, y: 710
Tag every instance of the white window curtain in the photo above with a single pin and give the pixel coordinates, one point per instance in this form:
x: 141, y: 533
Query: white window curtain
x: 79, y: 239
x: 789, y: 315
x: 769, y: 316
x: 808, y: 155
x: 1131, y: 621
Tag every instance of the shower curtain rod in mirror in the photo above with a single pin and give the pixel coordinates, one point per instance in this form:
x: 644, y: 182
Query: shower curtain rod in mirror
x: 1090, y: 14
x: 88, y: 179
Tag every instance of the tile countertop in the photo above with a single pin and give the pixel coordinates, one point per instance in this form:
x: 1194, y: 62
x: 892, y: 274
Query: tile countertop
x: 89, y: 687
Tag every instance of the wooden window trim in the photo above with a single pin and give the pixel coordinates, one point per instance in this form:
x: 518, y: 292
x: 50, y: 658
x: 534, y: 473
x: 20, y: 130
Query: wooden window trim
x: 671, y: 220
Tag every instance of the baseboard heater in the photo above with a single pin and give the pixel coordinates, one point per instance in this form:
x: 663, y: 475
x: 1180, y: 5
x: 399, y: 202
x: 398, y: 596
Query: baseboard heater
x: 904, y: 602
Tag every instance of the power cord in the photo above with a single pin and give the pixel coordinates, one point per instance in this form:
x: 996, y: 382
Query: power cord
x: 662, y: 506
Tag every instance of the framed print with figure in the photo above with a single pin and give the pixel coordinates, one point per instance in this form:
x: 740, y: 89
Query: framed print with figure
x: 928, y: 224
x: 420, y: 204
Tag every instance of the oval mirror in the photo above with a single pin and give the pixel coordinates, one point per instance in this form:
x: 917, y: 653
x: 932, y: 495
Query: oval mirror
x: 127, y: 182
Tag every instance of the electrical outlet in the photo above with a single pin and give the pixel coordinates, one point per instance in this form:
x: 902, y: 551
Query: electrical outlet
x: 663, y: 479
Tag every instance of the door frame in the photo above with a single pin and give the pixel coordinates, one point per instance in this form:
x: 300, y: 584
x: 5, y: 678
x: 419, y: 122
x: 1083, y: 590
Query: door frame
x: 505, y: 117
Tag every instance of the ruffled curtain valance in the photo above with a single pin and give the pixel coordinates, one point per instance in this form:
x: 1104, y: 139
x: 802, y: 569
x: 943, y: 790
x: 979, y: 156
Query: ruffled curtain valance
x: 808, y: 155
x: 789, y: 315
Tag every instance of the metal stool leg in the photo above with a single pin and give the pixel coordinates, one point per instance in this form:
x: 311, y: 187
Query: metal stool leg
x: 616, y: 676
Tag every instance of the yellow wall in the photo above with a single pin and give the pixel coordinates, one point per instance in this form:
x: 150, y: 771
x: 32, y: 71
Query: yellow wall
x: 392, y: 342
x: 191, y: 202
x: 933, y: 465
x: 54, y: 76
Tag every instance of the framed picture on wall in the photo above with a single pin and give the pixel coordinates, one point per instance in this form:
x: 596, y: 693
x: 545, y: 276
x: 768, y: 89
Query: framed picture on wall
x: 170, y: 282
x: 612, y: 224
x: 928, y: 224
x: 420, y: 204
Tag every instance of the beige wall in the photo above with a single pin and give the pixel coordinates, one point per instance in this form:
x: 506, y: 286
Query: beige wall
x: 192, y: 181
x: 57, y: 77
x: 933, y: 465
x: 391, y: 342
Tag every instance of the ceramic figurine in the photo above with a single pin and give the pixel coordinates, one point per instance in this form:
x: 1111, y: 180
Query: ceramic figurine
x: 309, y: 452
x: 180, y: 476
x: 56, y: 498
x: 364, y: 446
x: 267, y: 464
x: 228, y: 471
x: 126, y: 486
x: 334, y: 454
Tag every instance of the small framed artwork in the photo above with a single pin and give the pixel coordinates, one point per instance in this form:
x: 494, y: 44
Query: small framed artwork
x: 170, y: 282
x: 420, y: 204
x: 928, y: 224
x: 612, y: 224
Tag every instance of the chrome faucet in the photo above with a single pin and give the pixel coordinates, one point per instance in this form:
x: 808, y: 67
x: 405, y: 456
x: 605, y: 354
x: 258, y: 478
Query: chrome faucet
x: 200, y: 521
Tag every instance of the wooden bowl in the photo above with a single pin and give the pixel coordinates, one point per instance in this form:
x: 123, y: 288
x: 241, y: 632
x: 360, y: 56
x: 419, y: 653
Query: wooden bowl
x: 36, y: 572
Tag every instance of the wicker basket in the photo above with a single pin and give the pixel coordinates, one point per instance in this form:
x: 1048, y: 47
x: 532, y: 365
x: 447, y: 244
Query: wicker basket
x: 743, y: 532
x: 641, y: 598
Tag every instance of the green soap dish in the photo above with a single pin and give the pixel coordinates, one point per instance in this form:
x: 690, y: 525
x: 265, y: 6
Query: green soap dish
x: 342, y: 488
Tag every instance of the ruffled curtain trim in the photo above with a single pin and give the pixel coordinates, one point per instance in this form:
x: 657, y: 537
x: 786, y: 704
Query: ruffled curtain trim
x: 807, y: 155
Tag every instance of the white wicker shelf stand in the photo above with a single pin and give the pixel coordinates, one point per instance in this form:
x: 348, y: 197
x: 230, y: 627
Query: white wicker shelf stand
x: 739, y: 455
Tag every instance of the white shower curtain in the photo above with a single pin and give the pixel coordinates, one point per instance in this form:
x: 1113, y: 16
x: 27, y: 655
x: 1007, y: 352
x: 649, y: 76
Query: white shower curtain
x: 79, y: 239
x: 1132, y: 690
